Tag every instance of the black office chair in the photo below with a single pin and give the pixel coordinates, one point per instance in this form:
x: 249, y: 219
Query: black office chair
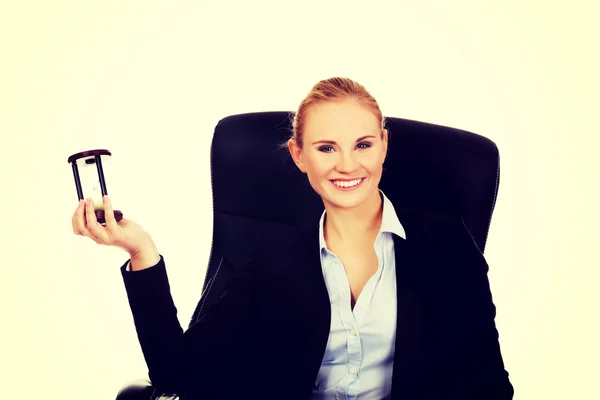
x: 259, y: 193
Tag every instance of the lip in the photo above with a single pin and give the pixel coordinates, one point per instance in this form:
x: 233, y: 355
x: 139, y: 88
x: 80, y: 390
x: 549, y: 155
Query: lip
x: 347, y: 189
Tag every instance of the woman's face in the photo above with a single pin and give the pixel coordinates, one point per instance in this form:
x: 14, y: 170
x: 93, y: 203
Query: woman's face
x: 342, y: 153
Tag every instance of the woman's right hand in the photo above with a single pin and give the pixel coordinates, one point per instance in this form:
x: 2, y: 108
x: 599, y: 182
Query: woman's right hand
x: 125, y: 234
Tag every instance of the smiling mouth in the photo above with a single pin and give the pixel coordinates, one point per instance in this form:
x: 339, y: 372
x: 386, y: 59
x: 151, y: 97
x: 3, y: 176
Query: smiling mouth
x: 348, y: 184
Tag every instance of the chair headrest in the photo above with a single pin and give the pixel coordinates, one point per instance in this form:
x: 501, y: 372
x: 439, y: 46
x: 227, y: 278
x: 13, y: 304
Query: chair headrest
x: 431, y: 167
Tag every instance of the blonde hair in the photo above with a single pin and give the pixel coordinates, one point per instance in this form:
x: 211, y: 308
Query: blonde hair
x: 332, y: 89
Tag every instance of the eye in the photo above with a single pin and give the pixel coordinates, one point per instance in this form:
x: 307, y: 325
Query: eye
x: 361, y: 145
x: 324, y: 149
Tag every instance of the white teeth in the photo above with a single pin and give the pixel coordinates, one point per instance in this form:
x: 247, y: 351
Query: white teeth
x: 347, y: 183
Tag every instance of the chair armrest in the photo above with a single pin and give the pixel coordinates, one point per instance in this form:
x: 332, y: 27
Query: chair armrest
x: 142, y: 389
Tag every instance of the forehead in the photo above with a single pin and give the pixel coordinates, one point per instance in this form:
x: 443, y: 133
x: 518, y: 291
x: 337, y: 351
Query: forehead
x: 346, y: 117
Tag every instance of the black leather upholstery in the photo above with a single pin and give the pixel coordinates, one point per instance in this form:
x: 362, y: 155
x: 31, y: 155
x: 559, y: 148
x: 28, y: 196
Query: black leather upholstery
x: 259, y: 193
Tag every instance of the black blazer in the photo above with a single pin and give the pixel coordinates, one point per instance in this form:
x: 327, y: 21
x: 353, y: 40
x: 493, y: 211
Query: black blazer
x: 267, y: 334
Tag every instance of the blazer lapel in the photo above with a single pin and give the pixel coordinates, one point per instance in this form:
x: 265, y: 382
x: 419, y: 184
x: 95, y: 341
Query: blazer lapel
x: 316, y: 306
x: 408, y: 355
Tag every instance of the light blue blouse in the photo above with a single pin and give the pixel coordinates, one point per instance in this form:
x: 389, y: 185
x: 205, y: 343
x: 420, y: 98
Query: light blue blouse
x: 359, y: 356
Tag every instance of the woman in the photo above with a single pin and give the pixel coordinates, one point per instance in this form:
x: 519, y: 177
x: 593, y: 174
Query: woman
x: 377, y: 301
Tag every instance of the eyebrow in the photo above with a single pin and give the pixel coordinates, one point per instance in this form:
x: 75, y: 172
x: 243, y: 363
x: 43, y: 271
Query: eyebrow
x: 332, y: 142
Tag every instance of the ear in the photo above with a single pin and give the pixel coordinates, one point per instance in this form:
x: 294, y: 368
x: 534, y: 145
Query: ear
x: 384, y: 140
x: 296, y: 153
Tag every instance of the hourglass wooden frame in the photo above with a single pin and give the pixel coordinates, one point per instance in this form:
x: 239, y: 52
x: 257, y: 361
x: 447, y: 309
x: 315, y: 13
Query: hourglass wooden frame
x: 98, y: 161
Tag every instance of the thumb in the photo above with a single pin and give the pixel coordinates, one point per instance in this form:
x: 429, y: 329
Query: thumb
x: 124, y: 222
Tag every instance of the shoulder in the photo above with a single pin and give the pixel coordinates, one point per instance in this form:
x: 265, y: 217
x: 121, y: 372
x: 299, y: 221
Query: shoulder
x: 436, y: 230
x: 425, y: 225
x: 445, y: 241
x: 287, y: 242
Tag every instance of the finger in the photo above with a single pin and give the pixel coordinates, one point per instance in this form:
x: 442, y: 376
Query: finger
x: 92, y: 223
x: 78, y: 214
x: 82, y: 230
x: 80, y: 225
x: 109, y: 215
x: 87, y: 233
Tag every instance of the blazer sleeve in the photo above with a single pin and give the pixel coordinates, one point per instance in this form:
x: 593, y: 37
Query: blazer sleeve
x: 210, y: 351
x: 491, y: 379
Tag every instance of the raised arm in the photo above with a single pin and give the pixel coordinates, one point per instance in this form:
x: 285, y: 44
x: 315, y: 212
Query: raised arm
x: 207, y: 356
x: 211, y: 352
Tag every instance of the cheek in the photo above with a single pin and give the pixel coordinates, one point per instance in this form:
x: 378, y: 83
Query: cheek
x: 373, y: 165
x: 318, y: 166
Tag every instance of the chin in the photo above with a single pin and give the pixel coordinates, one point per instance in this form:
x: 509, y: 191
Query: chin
x: 346, y: 200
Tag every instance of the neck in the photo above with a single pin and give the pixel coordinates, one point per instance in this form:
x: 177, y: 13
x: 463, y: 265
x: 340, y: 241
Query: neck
x: 354, y: 225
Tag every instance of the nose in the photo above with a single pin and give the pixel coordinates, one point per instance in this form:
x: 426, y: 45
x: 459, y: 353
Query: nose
x: 347, y: 162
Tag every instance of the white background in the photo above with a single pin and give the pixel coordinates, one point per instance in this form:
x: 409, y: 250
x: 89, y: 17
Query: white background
x: 149, y: 80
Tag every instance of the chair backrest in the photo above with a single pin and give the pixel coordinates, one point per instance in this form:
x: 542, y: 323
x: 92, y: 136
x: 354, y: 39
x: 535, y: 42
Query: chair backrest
x: 259, y: 193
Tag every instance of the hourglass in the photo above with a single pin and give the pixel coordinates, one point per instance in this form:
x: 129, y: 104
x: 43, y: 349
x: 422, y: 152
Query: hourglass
x: 89, y: 175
